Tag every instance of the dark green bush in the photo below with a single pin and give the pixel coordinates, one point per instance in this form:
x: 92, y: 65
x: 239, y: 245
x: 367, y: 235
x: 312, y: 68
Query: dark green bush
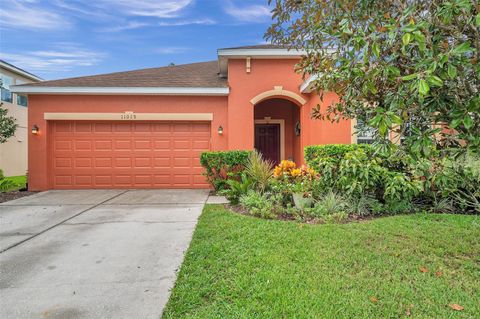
x: 221, y: 166
x: 357, y: 171
x: 457, y: 181
x: 334, y: 152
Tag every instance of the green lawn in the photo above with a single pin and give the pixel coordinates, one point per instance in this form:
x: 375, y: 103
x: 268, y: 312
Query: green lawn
x: 243, y: 267
x: 19, y: 181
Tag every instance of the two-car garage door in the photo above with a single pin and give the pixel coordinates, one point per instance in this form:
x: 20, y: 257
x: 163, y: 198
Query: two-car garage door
x: 125, y: 154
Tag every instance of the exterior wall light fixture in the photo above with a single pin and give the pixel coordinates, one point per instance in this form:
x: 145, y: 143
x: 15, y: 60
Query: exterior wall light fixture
x: 220, y: 130
x: 35, y: 129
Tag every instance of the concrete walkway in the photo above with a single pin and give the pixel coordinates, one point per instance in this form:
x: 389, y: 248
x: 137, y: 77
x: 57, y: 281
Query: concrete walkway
x: 94, y: 253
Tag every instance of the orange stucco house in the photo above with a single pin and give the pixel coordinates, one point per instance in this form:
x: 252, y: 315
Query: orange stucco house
x: 146, y: 128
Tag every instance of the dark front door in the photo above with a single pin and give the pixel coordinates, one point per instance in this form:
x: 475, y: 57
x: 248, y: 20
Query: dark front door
x: 267, y: 141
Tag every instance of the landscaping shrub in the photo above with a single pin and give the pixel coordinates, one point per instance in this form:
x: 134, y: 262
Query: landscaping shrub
x: 457, y: 183
x: 258, y: 204
x: 259, y: 170
x: 364, y: 205
x: 5, y: 184
x: 329, y: 204
x: 397, y: 183
x: 358, y: 171
x: 332, y: 152
x: 237, y: 188
x: 256, y: 175
x: 223, y: 165
x: 354, y: 180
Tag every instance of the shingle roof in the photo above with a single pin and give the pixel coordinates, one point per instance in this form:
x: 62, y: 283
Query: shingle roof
x: 259, y: 46
x: 202, y: 74
x: 19, y: 70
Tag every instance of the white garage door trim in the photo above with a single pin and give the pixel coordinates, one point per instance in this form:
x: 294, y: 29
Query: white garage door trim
x: 130, y: 116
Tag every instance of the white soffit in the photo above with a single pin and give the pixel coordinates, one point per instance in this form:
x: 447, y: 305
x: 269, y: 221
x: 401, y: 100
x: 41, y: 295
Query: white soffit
x: 215, y: 91
x: 225, y: 54
x: 307, y: 85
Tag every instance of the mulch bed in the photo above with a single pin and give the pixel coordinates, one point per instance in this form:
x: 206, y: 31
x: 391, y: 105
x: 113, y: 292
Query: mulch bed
x: 7, y: 196
x: 352, y: 218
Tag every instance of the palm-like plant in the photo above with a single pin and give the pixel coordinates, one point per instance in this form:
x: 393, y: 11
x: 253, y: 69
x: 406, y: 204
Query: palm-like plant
x: 260, y: 170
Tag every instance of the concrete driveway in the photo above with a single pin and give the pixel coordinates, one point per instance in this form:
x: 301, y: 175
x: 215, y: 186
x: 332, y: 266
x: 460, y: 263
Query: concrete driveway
x: 94, y: 253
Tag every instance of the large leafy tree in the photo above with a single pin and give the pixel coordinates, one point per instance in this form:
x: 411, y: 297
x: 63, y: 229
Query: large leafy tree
x: 8, y: 125
x: 411, y: 67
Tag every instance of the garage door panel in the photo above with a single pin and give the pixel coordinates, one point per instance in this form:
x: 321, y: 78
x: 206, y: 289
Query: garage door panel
x: 142, y: 144
x: 161, y: 162
x: 123, y: 144
x: 102, y: 128
x: 103, y: 145
x: 63, y: 180
x: 103, y: 162
x: 82, y: 127
x: 143, y: 162
x: 83, y: 162
x: 122, y: 127
x: 128, y: 154
x: 63, y: 162
x: 63, y: 145
x: 123, y: 162
x: 103, y: 180
x: 141, y: 128
x: 162, y: 144
x: 64, y: 127
x: 83, y: 145
x: 83, y: 180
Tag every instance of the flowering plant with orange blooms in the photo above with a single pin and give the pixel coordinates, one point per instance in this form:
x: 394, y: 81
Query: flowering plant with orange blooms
x: 288, y: 170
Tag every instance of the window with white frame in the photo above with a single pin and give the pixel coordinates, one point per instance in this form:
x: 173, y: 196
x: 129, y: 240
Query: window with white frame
x: 365, y: 134
x: 5, y: 82
x: 22, y: 100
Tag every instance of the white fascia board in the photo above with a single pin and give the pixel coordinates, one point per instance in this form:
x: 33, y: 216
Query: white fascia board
x: 14, y: 69
x: 266, y: 53
x: 215, y: 91
x: 306, y: 86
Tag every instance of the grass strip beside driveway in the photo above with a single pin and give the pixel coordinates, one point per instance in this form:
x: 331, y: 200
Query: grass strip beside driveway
x: 19, y: 181
x: 413, y: 266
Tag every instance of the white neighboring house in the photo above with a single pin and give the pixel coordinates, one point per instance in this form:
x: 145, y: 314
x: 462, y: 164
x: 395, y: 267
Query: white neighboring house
x: 13, y: 153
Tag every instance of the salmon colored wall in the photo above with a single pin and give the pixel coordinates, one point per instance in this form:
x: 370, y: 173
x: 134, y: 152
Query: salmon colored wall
x: 234, y: 113
x: 286, y: 110
x: 325, y: 132
x: 39, y: 104
x: 264, y: 75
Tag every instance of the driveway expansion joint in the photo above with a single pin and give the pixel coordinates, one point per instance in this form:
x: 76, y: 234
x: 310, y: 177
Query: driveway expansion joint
x: 59, y: 223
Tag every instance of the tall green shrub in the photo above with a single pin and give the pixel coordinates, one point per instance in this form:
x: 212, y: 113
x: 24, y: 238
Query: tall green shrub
x: 314, y: 154
x: 221, y: 166
x: 356, y: 170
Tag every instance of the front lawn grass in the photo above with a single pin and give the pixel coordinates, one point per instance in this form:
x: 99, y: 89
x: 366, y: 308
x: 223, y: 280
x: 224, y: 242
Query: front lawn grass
x: 411, y: 266
x: 19, y: 181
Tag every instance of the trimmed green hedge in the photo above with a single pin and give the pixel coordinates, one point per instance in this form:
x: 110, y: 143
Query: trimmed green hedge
x: 223, y: 165
x: 335, y: 152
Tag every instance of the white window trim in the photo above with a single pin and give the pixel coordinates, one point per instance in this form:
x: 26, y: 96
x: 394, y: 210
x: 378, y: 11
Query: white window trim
x: 282, y: 133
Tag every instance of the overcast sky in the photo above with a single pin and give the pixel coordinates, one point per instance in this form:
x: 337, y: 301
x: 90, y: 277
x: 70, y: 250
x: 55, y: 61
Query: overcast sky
x: 64, y: 38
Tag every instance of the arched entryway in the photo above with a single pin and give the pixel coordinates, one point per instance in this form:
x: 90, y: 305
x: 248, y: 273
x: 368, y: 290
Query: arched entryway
x: 277, y: 129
